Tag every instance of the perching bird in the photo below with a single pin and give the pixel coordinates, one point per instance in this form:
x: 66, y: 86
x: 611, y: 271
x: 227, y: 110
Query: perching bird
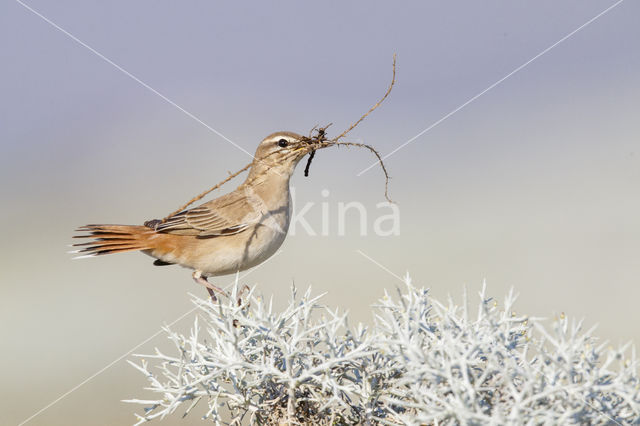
x: 232, y: 233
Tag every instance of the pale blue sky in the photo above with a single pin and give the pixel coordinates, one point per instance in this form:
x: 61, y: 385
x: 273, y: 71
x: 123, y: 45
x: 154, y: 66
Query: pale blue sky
x: 533, y: 185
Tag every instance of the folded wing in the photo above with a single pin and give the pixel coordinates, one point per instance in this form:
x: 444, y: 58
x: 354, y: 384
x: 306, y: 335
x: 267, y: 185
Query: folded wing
x: 230, y: 214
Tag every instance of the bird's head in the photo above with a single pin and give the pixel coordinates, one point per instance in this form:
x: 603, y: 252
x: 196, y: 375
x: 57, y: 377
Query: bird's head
x: 280, y: 152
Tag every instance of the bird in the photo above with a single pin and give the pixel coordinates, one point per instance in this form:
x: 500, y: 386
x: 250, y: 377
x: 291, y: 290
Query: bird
x: 229, y: 234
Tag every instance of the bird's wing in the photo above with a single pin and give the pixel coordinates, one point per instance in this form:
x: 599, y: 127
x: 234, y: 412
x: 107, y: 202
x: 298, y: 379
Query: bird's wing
x: 230, y: 214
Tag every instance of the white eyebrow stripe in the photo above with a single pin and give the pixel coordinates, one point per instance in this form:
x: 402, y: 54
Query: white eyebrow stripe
x: 277, y: 138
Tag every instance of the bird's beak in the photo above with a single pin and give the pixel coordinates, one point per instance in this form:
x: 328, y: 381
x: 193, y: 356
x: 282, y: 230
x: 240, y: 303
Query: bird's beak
x: 308, y: 146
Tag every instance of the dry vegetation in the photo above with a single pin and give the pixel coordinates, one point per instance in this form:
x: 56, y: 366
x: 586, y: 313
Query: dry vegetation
x: 422, y: 362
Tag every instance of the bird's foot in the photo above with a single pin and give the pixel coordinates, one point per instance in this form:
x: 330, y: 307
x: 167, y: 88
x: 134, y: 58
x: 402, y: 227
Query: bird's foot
x: 212, y: 289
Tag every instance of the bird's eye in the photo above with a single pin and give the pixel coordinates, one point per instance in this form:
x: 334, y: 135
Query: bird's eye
x: 282, y: 143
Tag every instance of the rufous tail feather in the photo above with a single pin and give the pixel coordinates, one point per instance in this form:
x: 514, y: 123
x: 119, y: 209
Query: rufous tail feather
x: 107, y: 239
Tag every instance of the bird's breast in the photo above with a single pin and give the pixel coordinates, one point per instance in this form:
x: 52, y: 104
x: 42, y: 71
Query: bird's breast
x: 267, y: 230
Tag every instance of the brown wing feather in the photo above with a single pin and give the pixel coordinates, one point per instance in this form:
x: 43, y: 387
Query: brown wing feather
x: 230, y: 214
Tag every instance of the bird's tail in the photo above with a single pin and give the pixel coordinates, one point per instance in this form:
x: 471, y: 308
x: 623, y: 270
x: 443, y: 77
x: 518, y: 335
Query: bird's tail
x: 107, y: 239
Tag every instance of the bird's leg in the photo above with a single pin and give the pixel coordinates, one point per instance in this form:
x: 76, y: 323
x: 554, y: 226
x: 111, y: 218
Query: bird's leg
x: 212, y: 294
x: 212, y: 289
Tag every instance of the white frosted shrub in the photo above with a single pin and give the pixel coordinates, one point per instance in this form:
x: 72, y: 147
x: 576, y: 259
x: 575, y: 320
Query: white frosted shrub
x: 422, y: 362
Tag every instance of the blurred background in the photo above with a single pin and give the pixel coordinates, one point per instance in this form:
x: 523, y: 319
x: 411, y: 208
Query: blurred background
x: 534, y: 185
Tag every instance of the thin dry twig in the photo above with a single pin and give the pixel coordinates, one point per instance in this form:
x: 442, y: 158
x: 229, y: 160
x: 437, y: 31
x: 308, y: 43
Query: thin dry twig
x: 320, y: 137
x: 373, y: 108
x: 377, y: 154
x: 359, y: 145
x: 203, y: 194
x: 319, y: 140
x: 309, y: 160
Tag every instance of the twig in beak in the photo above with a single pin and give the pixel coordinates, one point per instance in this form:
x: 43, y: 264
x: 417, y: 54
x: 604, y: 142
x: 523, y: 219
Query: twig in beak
x: 373, y: 108
x: 309, y: 160
x: 319, y: 138
x: 377, y: 154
